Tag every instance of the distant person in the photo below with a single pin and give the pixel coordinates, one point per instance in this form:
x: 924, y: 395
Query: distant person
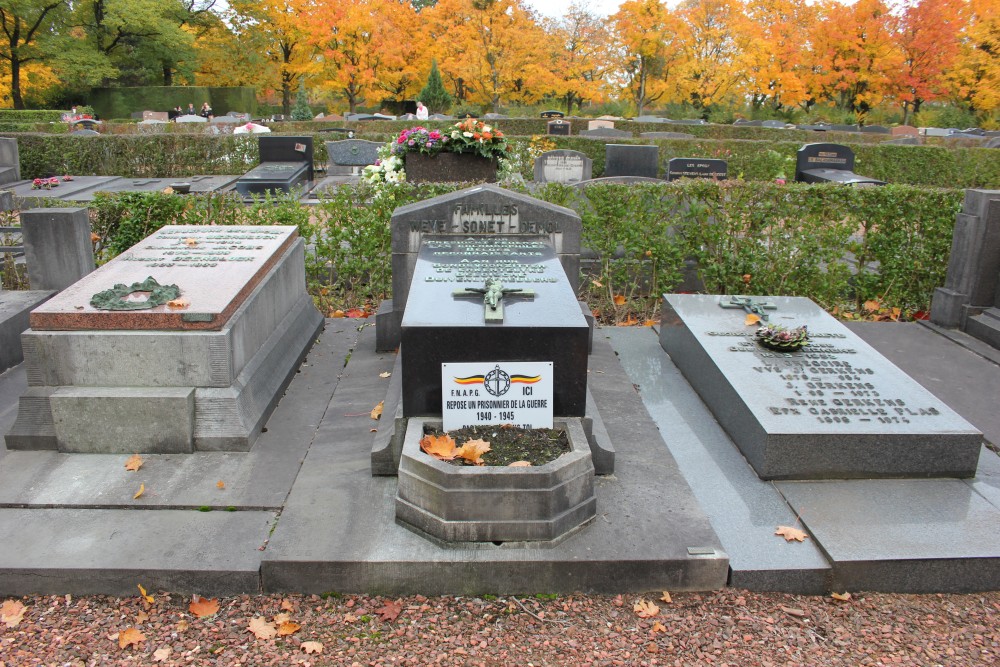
x: 206, y: 111
x: 191, y: 111
x: 421, y: 111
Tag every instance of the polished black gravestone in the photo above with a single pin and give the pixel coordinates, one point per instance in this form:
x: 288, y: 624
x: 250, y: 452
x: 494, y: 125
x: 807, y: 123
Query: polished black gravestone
x: 835, y: 410
x: 541, y: 321
x: 286, y: 163
x: 558, y: 127
x: 829, y: 163
x: 629, y: 160
x: 689, y: 167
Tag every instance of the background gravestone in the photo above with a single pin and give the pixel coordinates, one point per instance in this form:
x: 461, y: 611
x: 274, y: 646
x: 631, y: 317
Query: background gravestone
x: 57, y: 246
x: 605, y: 133
x: 347, y: 157
x: 629, y: 160
x: 10, y: 161
x: 666, y: 135
x: 557, y: 127
x: 563, y: 166
x: 599, y: 124
x: 687, y: 167
x: 829, y: 163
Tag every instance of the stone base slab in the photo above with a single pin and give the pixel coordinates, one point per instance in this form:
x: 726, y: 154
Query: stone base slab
x: 14, y: 310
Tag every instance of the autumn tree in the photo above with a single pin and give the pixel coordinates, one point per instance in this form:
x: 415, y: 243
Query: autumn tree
x: 715, y: 38
x: 280, y: 32
x: 581, y: 43
x: 855, y: 55
x: 975, y: 77
x: 928, y: 43
x: 647, y: 49
x: 487, y: 50
x: 26, y: 35
x: 775, y: 60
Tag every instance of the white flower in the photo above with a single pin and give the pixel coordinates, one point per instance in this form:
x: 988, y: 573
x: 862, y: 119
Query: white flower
x: 487, y: 128
x: 467, y: 134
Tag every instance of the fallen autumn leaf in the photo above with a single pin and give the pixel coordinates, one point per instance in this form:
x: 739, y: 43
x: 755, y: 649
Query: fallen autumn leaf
x: 202, y: 608
x: 138, y: 494
x: 145, y: 596
x: 134, y: 462
x: 790, y: 533
x: 130, y: 636
x: 261, y: 628
x: 11, y: 613
x: 312, y: 647
x: 377, y: 410
x: 645, y: 609
x: 439, y: 446
x: 473, y: 450
x: 389, y: 611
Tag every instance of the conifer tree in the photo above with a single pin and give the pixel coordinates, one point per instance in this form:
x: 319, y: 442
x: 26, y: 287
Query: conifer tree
x: 434, y: 96
x: 301, y: 111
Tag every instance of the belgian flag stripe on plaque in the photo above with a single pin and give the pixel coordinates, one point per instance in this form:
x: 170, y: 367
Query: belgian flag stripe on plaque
x: 525, y: 379
x: 472, y: 379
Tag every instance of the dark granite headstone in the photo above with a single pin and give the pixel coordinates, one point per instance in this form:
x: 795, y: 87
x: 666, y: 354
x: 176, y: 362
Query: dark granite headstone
x: 844, y: 128
x: 834, y: 410
x: 748, y: 123
x: 553, y: 114
x: 666, y: 135
x: 629, y: 160
x: 438, y: 327
x: 829, y: 163
x: 688, y: 167
x: 479, y: 210
x: 773, y: 124
x: 285, y: 163
x: 563, y: 166
x: 605, y: 133
x: 875, y: 129
x: 559, y: 127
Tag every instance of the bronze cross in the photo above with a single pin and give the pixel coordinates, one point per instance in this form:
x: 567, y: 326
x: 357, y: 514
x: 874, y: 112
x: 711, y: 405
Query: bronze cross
x: 748, y: 304
x: 493, y: 295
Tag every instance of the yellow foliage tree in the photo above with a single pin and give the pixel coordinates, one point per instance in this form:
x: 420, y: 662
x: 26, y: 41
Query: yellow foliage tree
x: 648, y: 49
x: 975, y: 78
x: 775, y: 60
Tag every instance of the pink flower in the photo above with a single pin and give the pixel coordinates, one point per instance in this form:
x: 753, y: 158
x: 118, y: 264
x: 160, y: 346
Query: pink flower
x: 779, y: 181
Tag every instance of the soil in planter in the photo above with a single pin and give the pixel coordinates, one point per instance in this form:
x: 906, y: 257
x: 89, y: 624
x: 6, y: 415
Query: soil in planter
x: 508, y: 444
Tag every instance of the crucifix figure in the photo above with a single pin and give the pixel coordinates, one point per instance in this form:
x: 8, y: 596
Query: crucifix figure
x: 493, y: 295
x: 748, y: 304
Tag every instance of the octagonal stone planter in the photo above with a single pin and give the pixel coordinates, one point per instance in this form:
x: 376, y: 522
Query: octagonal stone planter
x: 494, y: 503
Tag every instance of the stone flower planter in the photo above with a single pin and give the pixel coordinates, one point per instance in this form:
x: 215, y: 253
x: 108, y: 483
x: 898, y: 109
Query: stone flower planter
x: 493, y: 503
x: 450, y: 168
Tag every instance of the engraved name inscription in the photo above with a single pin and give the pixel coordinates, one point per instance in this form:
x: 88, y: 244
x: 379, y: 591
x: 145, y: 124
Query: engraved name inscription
x: 201, y: 248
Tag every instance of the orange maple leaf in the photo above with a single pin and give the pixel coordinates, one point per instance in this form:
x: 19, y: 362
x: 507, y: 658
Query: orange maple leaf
x: 790, y: 533
x: 843, y: 597
x: 751, y: 319
x: 377, y: 410
x: 287, y: 605
x: 202, y: 608
x: 11, y: 613
x: 519, y: 464
x: 145, y: 596
x: 645, y: 609
x: 288, y: 628
x: 872, y: 305
x: 389, y: 611
x: 666, y: 597
x: 261, y: 629
x: 439, y: 446
x: 473, y: 450
x: 130, y: 636
x: 658, y: 627
x: 133, y: 463
x: 179, y: 303
x: 220, y: 484
x: 190, y: 241
x: 619, y: 299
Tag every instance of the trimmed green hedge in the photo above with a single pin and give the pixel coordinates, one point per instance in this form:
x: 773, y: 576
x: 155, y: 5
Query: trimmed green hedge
x: 31, y: 115
x: 171, y: 154
x: 839, y: 246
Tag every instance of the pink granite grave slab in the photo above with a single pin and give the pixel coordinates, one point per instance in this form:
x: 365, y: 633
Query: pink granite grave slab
x: 215, y: 268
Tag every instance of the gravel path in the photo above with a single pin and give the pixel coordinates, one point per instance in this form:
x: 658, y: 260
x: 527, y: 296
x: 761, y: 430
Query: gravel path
x: 730, y: 627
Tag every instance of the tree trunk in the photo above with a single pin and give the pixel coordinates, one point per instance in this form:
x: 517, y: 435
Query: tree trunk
x: 15, y: 82
x: 168, y: 75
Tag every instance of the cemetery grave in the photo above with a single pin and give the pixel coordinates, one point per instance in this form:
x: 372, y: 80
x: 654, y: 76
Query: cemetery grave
x: 829, y: 163
x: 682, y: 167
x: 286, y: 165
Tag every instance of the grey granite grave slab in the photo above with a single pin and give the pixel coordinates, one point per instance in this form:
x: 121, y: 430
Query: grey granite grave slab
x: 345, y: 158
x: 102, y: 551
x: 29, y: 197
x: 563, y: 166
x: 630, y: 546
x: 837, y: 409
x: 743, y: 509
x: 629, y: 160
x: 619, y: 180
x: 125, y: 185
x: 667, y: 135
x: 482, y: 209
x: 605, y: 133
x: 909, y: 536
x: 14, y: 309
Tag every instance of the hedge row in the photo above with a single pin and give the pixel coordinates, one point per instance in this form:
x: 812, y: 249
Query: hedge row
x: 839, y: 246
x: 30, y: 115
x: 170, y: 155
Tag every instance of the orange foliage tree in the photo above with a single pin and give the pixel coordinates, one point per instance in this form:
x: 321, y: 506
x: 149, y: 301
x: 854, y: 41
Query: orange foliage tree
x: 648, y: 49
x: 928, y: 43
x: 975, y: 76
x: 775, y: 63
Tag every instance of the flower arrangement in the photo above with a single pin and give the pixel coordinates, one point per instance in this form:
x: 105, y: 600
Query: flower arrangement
x: 778, y: 338
x: 467, y: 136
x: 45, y: 183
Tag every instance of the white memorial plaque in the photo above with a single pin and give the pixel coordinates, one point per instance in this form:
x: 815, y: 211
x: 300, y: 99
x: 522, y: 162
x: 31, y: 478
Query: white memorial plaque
x: 491, y: 392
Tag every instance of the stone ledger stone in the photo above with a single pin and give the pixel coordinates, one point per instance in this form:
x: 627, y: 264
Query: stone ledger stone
x: 563, y: 166
x: 837, y: 409
x: 99, y: 390
x: 450, y: 168
x: 438, y: 327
